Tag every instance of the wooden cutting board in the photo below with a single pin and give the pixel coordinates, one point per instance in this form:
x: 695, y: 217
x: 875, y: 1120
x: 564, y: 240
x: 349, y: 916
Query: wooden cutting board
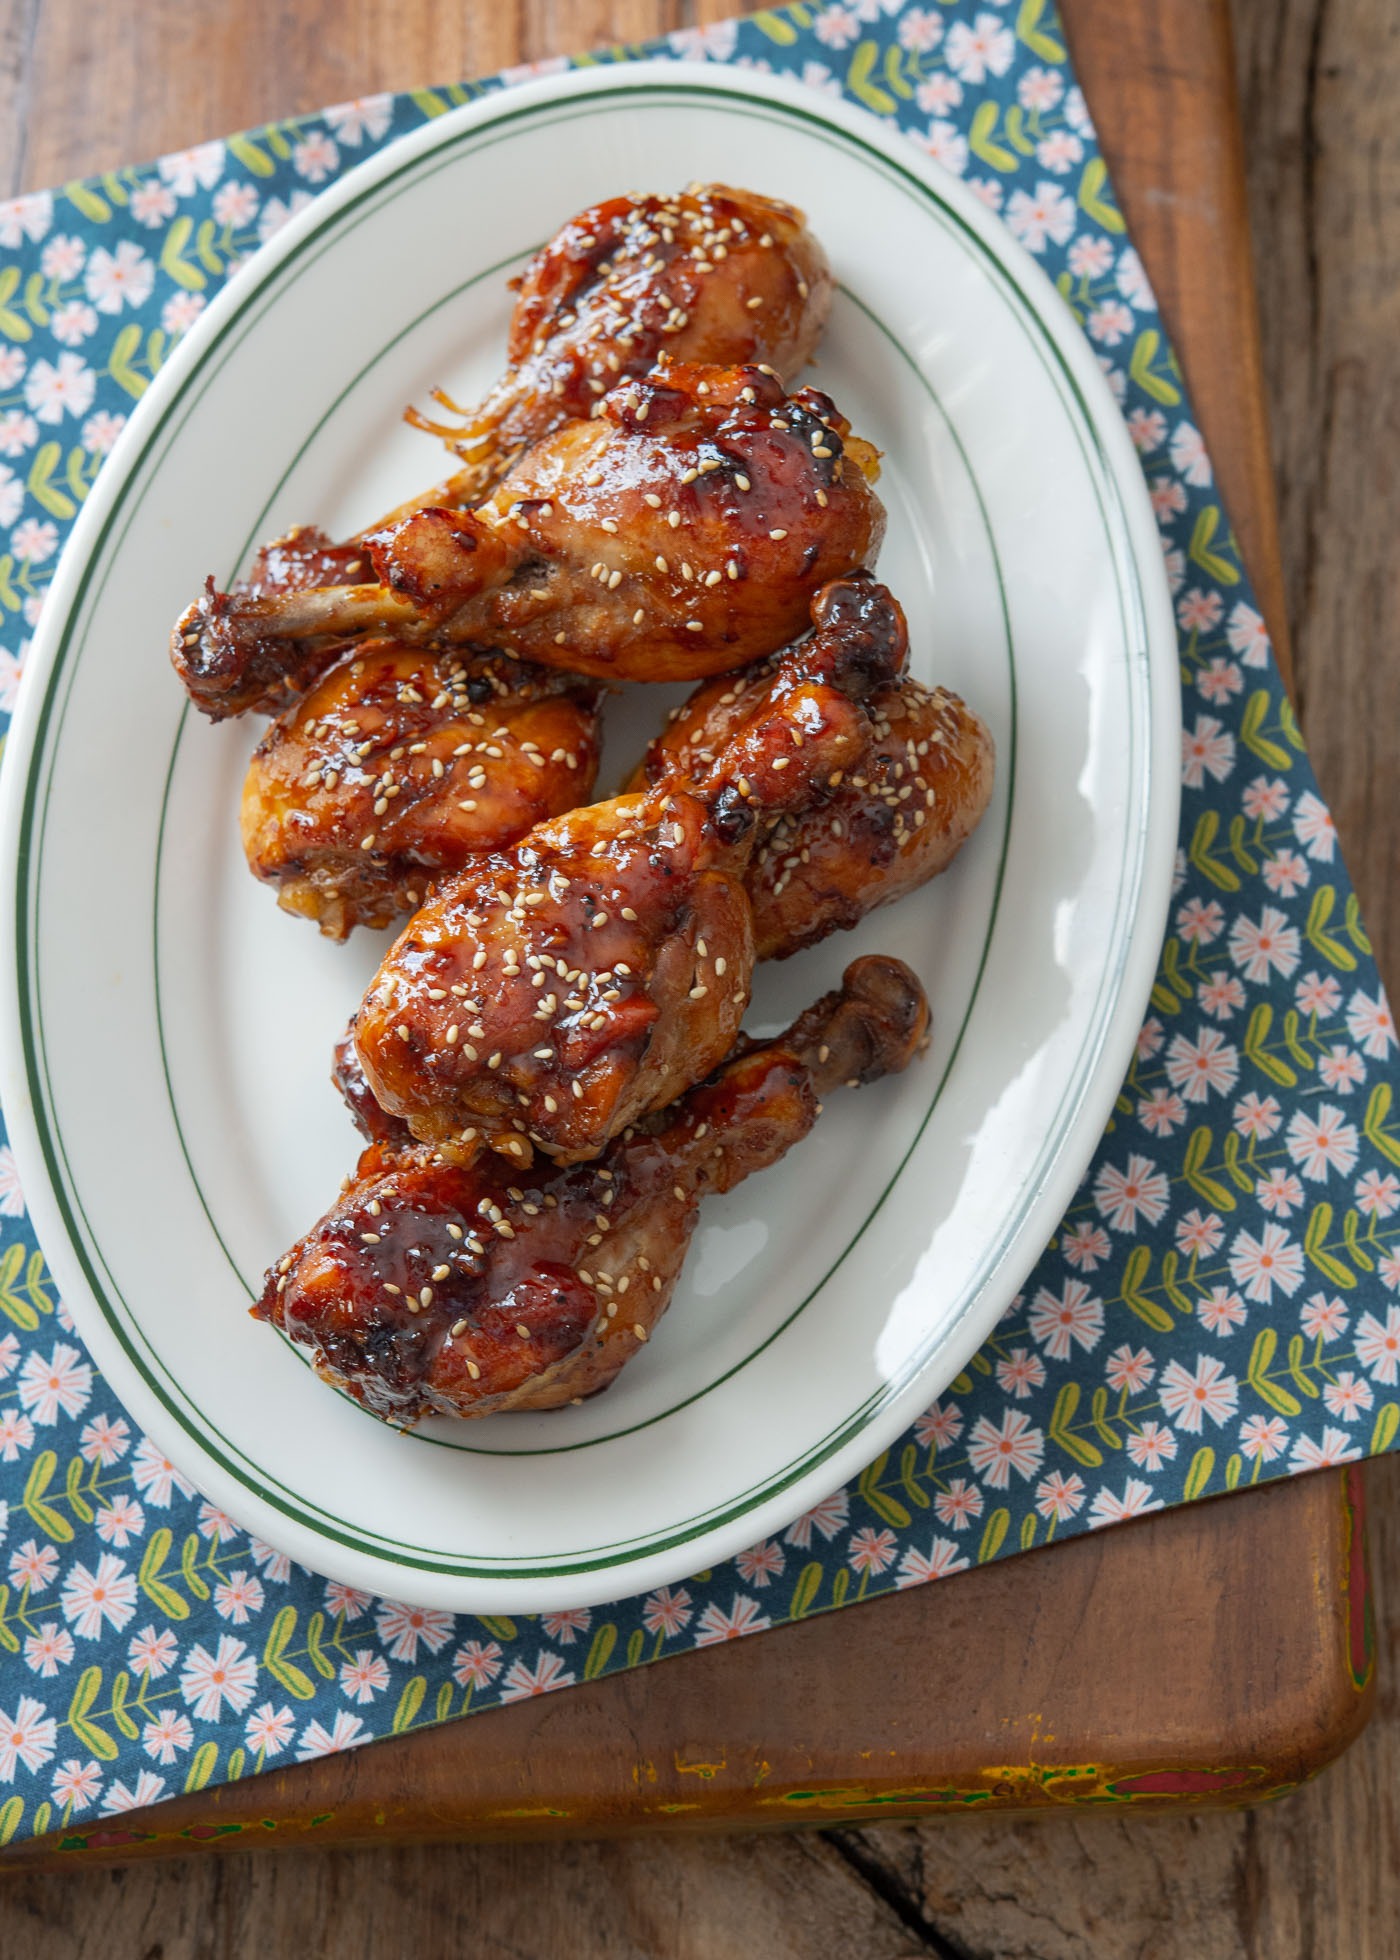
x: 1217, y: 1654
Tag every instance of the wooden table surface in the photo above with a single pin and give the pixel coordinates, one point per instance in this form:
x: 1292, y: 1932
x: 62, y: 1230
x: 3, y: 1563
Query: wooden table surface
x: 91, y: 87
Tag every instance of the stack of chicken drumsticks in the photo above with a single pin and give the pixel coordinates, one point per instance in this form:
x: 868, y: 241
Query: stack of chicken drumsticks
x: 549, y: 1064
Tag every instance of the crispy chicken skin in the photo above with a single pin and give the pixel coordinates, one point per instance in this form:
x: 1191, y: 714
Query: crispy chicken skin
x: 553, y: 993
x: 431, y: 1288
x: 681, y: 532
x: 713, y: 274
x: 376, y: 1125
x: 900, y: 817
x: 235, y: 680
x: 399, y: 764
x: 896, y: 818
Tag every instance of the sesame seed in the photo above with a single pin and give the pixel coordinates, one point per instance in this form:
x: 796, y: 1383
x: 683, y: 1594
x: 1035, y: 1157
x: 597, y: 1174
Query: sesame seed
x: 639, y: 1330
x: 474, y: 1371
x: 775, y: 535
x: 743, y: 483
x: 673, y: 519
x: 425, y: 1296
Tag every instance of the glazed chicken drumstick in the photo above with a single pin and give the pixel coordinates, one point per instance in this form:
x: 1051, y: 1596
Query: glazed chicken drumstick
x: 897, y: 817
x: 713, y: 274
x: 399, y: 765
x: 551, y: 994
x: 434, y: 1289
x: 680, y: 533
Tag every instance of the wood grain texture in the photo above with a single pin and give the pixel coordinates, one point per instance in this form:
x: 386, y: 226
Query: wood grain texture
x: 967, y: 1697
x: 1315, y: 1876
x: 1319, y: 83
x: 1159, y: 81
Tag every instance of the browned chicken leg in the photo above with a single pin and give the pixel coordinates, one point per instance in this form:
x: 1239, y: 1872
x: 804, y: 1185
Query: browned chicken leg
x: 681, y: 533
x: 552, y: 993
x: 434, y: 1289
x: 714, y: 274
x: 897, y: 817
x: 399, y: 764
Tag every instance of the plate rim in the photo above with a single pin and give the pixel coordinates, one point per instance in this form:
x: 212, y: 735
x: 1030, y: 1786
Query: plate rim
x: 586, y: 1580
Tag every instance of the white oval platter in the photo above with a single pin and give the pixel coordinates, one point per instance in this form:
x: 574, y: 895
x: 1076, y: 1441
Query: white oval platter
x: 167, y: 1030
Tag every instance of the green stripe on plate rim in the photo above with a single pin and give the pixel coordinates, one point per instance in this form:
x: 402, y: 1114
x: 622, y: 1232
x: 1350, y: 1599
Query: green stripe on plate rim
x: 269, y: 1492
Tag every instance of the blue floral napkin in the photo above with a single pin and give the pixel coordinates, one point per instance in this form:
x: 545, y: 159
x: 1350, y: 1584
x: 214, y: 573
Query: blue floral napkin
x: 1219, y: 1306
